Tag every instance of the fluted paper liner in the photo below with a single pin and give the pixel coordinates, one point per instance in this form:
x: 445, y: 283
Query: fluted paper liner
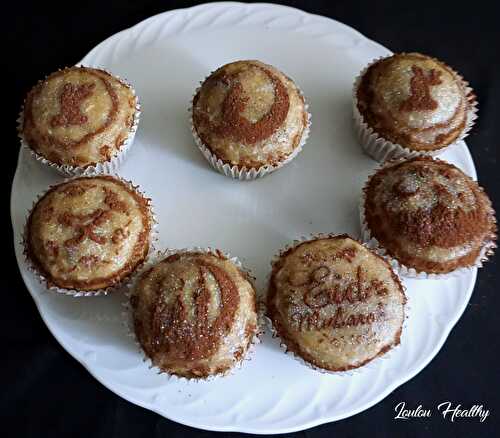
x: 282, y: 344
x: 98, y: 292
x: 110, y: 166
x: 381, y: 149
x: 129, y: 320
x: 244, y: 173
x: 405, y: 271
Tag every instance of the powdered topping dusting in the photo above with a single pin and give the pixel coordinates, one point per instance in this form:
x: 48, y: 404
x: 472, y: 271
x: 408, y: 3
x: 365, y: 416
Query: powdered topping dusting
x: 420, y: 98
x: 335, y: 302
x: 78, y: 116
x: 71, y: 99
x: 191, y: 313
x: 249, y: 114
x: 413, y: 100
x: 88, y: 230
x: 428, y: 209
x: 424, y: 186
x: 268, y: 110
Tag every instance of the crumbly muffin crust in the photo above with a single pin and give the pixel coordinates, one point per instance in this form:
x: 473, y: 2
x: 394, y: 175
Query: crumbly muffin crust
x: 194, y: 314
x: 249, y: 114
x: 335, y: 303
x: 78, y: 116
x: 414, y: 101
x: 428, y: 214
x: 89, y: 233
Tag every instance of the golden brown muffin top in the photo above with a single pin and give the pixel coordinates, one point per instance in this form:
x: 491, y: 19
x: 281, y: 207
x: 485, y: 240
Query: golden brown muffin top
x: 78, y: 116
x: 89, y: 233
x: 414, y: 100
x: 194, y: 314
x: 335, y: 303
x: 428, y: 214
x: 249, y: 114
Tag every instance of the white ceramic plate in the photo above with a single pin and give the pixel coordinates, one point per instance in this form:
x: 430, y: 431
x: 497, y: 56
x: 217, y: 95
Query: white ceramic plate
x: 165, y: 57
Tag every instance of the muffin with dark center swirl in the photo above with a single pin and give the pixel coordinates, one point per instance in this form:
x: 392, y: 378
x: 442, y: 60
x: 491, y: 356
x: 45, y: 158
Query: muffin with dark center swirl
x: 195, y: 314
x: 249, y: 119
x: 428, y: 215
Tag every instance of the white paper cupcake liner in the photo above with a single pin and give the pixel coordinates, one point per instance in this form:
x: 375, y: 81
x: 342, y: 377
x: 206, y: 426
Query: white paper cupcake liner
x: 244, y: 173
x: 373, y: 363
x: 98, y: 292
x: 405, y: 271
x: 105, y: 167
x: 382, y: 150
x: 129, y: 320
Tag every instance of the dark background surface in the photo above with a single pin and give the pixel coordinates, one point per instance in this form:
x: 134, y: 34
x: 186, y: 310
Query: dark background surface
x: 46, y: 393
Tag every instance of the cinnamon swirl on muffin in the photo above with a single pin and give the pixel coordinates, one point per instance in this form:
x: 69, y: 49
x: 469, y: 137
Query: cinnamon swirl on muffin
x: 194, y: 314
x: 428, y: 215
x: 249, y: 117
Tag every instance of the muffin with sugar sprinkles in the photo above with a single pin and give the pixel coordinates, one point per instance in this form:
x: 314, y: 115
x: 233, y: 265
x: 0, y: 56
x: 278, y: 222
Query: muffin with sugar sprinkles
x: 409, y: 104
x: 80, y: 120
x: 249, y: 119
x: 334, y: 303
x: 428, y: 216
x: 86, y: 236
x: 194, y: 314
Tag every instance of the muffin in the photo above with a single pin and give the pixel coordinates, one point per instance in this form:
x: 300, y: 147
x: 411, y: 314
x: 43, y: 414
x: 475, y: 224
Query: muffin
x: 334, y: 303
x: 194, y: 314
x: 87, y: 235
x: 249, y: 119
x: 80, y: 120
x: 428, y: 216
x: 410, y: 104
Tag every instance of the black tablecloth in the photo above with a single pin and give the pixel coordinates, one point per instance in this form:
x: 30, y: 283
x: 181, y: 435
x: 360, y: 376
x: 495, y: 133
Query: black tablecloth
x: 46, y: 393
